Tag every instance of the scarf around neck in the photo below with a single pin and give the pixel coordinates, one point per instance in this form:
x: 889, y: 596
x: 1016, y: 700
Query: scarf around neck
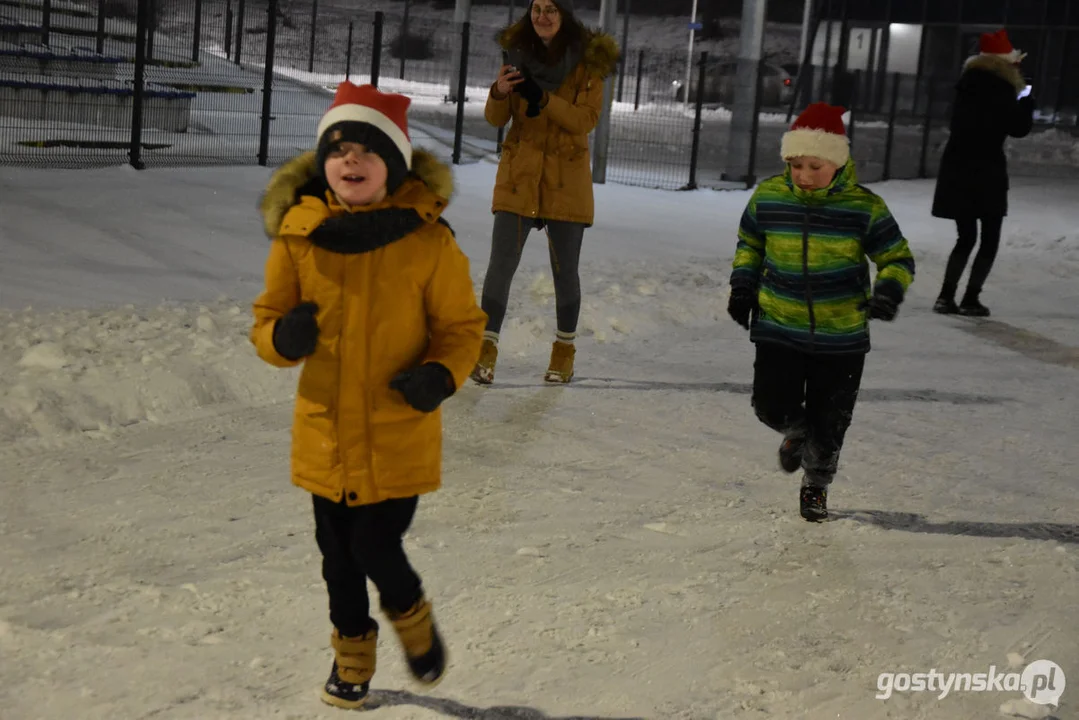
x: 548, y: 77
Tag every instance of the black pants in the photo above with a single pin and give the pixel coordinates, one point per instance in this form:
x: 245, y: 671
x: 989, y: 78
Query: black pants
x: 365, y: 542
x: 507, y: 244
x: 983, y: 261
x: 812, y: 396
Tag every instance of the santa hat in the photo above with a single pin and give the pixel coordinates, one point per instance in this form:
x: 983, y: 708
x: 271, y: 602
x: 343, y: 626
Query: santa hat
x: 999, y: 45
x: 377, y: 120
x: 818, y: 132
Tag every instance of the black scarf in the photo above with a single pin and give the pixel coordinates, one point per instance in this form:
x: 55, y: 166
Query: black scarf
x: 363, y: 232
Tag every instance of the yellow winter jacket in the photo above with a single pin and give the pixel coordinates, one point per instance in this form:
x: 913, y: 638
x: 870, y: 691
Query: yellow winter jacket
x: 393, y: 291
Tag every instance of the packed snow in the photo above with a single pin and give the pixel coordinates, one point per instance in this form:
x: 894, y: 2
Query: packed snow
x: 621, y: 547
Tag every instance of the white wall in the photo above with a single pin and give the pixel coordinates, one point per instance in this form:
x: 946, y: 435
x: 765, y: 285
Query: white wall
x: 905, y: 42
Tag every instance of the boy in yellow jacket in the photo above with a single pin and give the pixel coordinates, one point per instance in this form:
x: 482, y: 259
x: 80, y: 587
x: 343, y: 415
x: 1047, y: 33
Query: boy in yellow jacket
x: 366, y: 286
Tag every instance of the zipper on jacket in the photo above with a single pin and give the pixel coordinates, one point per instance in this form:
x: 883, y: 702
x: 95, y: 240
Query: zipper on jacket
x: 805, y: 275
x: 370, y: 409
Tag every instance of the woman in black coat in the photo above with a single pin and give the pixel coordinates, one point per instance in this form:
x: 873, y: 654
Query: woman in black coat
x: 973, y: 181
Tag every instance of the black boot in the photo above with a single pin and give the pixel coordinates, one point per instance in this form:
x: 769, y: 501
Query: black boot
x: 945, y: 306
x: 970, y: 306
x: 814, y: 503
x: 344, y: 695
x: 790, y: 452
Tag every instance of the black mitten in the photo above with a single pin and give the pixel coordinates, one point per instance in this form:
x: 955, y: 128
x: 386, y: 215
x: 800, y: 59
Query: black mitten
x: 742, y: 304
x: 532, y: 94
x: 425, y: 387
x: 295, y: 334
x: 880, y: 307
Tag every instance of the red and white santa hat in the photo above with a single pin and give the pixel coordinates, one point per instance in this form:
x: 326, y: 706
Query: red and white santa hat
x: 378, y: 120
x: 998, y: 45
x: 818, y: 132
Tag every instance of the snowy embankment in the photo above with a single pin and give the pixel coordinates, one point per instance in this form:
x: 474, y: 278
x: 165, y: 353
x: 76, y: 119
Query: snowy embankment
x: 133, y: 359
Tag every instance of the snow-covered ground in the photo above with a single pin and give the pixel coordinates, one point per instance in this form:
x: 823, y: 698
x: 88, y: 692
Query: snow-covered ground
x: 622, y: 547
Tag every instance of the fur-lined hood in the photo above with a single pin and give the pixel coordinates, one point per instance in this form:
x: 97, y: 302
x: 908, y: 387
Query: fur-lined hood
x: 998, y: 66
x: 601, y: 51
x: 301, y: 176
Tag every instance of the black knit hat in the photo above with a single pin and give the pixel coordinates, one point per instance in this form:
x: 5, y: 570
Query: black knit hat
x: 374, y: 140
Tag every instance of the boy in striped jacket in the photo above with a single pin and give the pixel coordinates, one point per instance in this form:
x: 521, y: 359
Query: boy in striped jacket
x: 801, y: 286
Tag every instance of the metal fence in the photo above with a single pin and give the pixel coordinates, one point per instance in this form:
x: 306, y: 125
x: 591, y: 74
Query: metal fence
x: 190, y: 82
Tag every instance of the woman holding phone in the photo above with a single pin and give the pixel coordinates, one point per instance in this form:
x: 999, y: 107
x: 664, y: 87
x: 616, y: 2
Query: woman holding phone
x: 992, y: 102
x: 551, y: 87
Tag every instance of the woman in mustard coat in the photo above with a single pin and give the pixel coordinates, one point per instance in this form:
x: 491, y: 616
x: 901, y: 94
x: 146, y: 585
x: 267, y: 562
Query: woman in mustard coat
x: 551, y: 88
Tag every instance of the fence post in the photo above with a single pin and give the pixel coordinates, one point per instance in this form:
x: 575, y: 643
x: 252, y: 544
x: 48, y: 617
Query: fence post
x: 462, y: 81
x: 100, y: 27
x: 751, y: 177
x: 228, y: 31
x: 625, y: 48
x: 150, y: 31
x: 891, y: 128
x: 198, y: 31
x: 139, y: 86
x: 46, y: 21
x: 402, y: 41
x: 640, y: 66
x: 348, y: 54
x: 498, y: 141
x: 854, y: 97
x: 239, y: 31
x: 314, y: 24
x: 923, y: 167
x: 698, y: 108
x: 376, y: 48
x: 267, y: 83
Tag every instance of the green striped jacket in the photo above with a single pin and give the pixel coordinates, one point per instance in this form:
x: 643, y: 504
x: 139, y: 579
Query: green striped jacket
x: 805, y: 254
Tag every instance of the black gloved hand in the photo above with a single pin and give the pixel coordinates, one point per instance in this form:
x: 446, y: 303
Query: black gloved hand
x: 880, y: 307
x: 532, y: 94
x: 742, y: 304
x: 425, y: 387
x: 295, y: 334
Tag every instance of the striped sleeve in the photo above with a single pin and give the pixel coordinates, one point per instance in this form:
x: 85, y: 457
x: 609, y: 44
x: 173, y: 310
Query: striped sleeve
x: 888, y: 249
x: 749, y: 253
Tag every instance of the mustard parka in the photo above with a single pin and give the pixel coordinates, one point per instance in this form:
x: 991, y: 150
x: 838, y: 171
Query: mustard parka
x: 393, y: 291
x: 544, y: 171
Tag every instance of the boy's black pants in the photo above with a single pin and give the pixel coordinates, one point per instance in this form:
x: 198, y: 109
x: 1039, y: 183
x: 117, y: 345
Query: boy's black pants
x: 365, y: 542
x: 798, y: 393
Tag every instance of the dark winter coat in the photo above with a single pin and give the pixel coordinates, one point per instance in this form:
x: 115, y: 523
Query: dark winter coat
x: 973, y: 179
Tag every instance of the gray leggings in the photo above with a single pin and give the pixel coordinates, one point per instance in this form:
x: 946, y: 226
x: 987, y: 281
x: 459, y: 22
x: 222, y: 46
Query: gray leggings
x: 507, y: 244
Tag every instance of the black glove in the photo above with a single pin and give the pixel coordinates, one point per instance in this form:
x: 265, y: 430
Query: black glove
x: 295, y: 334
x: 881, y: 307
x: 425, y: 387
x: 532, y: 94
x: 742, y: 304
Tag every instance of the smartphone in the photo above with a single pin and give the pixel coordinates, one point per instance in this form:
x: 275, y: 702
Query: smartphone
x: 1026, y: 91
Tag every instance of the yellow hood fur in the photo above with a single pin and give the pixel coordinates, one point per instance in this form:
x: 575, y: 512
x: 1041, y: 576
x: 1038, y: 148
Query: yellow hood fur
x: 281, y: 191
x: 998, y: 66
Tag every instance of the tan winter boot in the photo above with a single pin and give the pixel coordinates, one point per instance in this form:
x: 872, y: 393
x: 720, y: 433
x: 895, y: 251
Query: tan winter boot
x: 424, y: 649
x: 561, y: 368
x: 353, y: 668
x: 484, y: 373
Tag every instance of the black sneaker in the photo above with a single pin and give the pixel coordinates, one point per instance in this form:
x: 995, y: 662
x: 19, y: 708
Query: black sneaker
x: 973, y: 308
x: 430, y: 667
x: 814, y: 502
x: 790, y: 453
x: 344, y: 695
x: 945, y: 306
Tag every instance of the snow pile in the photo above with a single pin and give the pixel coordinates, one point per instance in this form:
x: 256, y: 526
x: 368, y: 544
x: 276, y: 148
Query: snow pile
x: 83, y: 371
x: 72, y: 371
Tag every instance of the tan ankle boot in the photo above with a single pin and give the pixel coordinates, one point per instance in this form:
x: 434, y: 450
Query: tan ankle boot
x: 424, y: 649
x: 484, y: 373
x: 561, y: 368
x: 353, y: 667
